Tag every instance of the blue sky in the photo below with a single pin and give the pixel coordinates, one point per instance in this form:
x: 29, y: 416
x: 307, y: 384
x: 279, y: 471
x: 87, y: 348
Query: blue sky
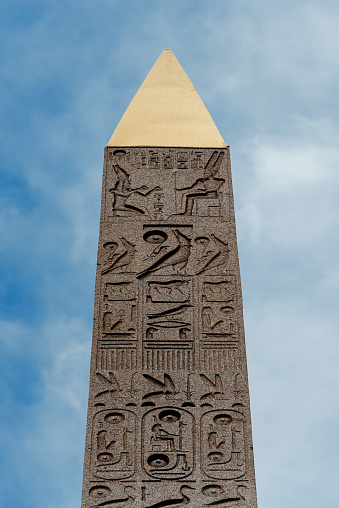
x: 268, y: 73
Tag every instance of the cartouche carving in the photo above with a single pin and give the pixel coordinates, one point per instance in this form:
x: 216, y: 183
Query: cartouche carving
x: 113, y: 444
x: 168, y: 443
x: 223, y: 444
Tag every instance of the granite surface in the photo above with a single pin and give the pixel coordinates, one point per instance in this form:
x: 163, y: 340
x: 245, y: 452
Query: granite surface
x: 168, y: 416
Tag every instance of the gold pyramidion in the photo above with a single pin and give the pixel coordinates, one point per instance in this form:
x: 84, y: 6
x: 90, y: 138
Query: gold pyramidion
x: 167, y: 111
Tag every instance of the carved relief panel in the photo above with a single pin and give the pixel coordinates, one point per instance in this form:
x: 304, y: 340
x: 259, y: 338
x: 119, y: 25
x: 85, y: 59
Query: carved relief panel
x: 168, y: 443
x: 223, y: 444
x: 163, y: 183
x: 199, y: 192
x: 168, y: 342
x: 118, y: 323
x: 113, y: 444
x: 219, y: 347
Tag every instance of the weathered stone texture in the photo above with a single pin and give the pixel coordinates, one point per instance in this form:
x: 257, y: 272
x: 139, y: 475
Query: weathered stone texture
x: 169, y: 416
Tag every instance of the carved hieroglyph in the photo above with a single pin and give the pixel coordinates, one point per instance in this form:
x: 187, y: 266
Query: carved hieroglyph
x: 169, y: 416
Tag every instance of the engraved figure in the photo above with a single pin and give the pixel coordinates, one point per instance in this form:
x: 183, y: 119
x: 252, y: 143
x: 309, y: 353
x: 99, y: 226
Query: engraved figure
x: 177, y: 258
x: 188, y: 392
x: 104, y: 447
x: 107, y: 320
x: 168, y: 342
x: 171, y: 326
x: 174, y: 502
x: 175, y: 291
x: 133, y: 390
x: 118, y: 258
x: 182, y: 160
x: 168, y: 161
x: 167, y: 387
x: 118, y: 324
x: 122, y: 191
x: 111, y: 253
x: 119, y: 291
x: 218, y: 291
x: 216, y: 491
x: 197, y: 161
x: 213, y: 440
x: 213, y: 490
x: 207, y: 187
x: 129, y: 499
x: 174, y: 317
x: 150, y: 333
x: 154, y: 161
x: 120, y: 321
x: 208, y: 319
x: 110, y: 383
x: 217, y: 319
x: 161, y: 434
x: 184, y: 333
x: 99, y: 492
x: 216, y: 387
x: 238, y: 391
x: 158, y: 205
x: 214, y: 255
x: 157, y: 238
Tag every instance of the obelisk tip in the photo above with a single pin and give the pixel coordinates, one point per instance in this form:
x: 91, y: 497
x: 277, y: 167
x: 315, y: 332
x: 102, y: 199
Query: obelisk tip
x: 167, y: 111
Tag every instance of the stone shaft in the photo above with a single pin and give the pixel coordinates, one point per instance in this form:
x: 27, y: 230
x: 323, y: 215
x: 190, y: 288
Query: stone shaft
x: 169, y: 416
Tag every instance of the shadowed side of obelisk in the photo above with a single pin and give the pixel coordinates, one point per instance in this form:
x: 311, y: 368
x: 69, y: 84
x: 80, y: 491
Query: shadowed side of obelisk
x: 169, y: 415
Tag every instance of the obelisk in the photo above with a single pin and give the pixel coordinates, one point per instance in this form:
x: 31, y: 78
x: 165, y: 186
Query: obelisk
x: 168, y: 417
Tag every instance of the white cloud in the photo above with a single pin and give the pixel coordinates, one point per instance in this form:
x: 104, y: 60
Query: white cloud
x: 49, y: 429
x: 293, y: 357
x: 291, y: 194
